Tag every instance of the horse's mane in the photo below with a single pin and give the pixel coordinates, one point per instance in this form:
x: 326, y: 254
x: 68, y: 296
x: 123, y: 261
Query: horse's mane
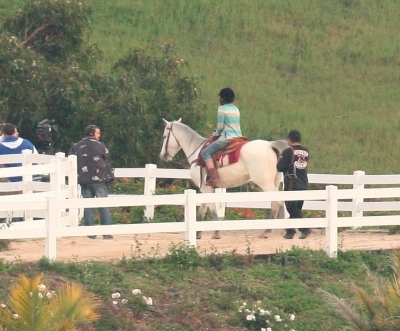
x: 192, y: 135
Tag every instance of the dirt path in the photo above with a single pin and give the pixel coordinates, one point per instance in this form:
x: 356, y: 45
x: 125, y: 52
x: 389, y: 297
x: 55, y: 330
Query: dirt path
x: 83, y: 248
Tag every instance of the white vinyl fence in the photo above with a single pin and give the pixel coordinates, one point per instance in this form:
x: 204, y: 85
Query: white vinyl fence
x: 331, y: 200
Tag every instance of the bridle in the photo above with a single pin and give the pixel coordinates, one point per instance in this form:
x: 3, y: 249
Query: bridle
x: 167, y: 142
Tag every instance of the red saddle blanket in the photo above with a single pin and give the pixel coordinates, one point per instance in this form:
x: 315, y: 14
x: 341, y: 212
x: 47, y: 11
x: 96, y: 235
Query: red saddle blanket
x: 229, y: 155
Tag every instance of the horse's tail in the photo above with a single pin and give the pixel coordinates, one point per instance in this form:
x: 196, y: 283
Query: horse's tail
x: 277, y: 152
x: 279, y: 146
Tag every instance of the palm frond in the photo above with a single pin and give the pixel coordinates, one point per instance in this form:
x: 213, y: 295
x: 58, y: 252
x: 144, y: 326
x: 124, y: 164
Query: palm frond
x: 74, y: 303
x: 344, y: 310
x: 28, y: 303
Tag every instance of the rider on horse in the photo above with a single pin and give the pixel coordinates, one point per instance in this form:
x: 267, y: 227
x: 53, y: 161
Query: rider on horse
x: 228, y: 127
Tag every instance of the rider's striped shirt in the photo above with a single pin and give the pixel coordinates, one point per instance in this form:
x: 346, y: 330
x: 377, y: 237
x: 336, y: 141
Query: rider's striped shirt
x: 228, y: 121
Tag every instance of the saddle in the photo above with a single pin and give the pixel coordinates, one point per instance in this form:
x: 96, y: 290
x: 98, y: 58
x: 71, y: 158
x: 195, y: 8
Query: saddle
x: 228, y: 155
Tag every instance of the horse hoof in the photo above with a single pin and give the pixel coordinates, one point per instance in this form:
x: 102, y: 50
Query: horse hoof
x: 198, y: 235
x: 265, y: 234
x: 216, y: 236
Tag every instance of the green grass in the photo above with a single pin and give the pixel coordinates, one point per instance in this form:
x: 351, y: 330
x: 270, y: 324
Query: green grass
x: 191, y: 292
x: 328, y: 68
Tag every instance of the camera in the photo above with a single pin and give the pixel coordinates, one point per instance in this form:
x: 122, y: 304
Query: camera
x: 45, y: 134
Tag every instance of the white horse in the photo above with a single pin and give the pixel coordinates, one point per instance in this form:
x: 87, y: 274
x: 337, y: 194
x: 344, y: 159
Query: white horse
x: 257, y: 163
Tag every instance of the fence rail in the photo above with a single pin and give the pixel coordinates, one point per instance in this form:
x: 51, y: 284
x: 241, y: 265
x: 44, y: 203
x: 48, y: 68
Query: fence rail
x: 62, y: 197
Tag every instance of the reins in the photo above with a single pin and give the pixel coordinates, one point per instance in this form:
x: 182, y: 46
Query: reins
x: 167, y: 142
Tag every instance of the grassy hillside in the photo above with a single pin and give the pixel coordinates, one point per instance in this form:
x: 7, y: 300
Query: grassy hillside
x: 328, y: 68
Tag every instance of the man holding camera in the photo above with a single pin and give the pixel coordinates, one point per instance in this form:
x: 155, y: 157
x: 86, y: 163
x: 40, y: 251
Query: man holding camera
x: 293, y: 163
x: 94, y: 173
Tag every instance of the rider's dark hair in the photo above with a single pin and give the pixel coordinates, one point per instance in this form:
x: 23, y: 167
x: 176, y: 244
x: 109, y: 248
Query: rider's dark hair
x: 294, y: 136
x: 227, y: 94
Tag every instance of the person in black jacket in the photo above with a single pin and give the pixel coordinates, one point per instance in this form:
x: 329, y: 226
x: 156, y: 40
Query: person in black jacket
x: 293, y: 163
x: 94, y: 173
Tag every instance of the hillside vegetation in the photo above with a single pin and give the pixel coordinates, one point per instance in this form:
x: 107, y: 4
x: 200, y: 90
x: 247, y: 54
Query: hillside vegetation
x: 328, y: 68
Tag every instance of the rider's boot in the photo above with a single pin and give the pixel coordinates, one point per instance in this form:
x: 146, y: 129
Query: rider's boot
x: 212, y: 174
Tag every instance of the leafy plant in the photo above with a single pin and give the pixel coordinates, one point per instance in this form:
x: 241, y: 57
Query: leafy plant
x: 34, y: 307
x: 379, y: 310
x: 254, y: 317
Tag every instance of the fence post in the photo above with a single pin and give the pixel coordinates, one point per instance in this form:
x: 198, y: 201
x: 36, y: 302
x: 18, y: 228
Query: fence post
x: 26, y: 161
x: 331, y: 215
x: 357, y: 202
x: 221, y: 206
x: 149, y: 188
x: 56, y: 180
x: 72, y: 178
x: 190, y: 217
x: 51, y: 227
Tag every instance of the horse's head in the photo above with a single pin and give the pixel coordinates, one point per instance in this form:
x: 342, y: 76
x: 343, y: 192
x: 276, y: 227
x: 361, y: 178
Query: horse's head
x: 170, y: 145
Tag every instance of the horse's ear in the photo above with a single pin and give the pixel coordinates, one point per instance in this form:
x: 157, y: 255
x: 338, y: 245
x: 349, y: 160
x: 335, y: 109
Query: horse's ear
x: 165, y: 121
x: 180, y: 120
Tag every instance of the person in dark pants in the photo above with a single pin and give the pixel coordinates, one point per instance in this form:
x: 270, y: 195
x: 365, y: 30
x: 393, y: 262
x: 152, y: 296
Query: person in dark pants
x: 94, y: 173
x: 293, y: 163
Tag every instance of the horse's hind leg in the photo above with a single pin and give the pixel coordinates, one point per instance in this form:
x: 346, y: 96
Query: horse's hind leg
x: 200, y: 216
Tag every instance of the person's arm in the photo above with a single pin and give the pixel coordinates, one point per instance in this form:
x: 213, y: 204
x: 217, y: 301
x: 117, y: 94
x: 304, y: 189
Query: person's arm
x: 221, y: 121
x: 285, y: 160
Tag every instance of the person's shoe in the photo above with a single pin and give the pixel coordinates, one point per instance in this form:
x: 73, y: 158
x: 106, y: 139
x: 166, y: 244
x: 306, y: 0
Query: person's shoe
x: 92, y: 237
x: 107, y: 236
x: 288, y: 235
x: 304, y: 235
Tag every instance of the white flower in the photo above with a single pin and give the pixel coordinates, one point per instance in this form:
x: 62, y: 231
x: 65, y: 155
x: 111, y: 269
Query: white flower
x: 136, y: 291
x: 15, y: 316
x: 48, y: 294
x: 42, y: 287
x: 250, y: 317
x: 115, y: 295
x: 269, y: 329
x: 115, y: 302
x: 3, y: 305
x: 268, y: 313
x: 292, y: 317
x: 278, y: 318
x: 148, y: 300
x: 40, y: 295
x: 124, y: 301
x: 247, y: 311
x: 263, y: 329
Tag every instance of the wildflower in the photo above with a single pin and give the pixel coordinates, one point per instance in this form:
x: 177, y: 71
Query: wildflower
x: 292, y: 317
x: 278, y: 318
x: 136, y: 291
x: 42, y: 287
x: 124, y: 301
x: 3, y: 305
x: 148, y: 300
x: 48, y: 294
x: 115, y: 295
x: 15, y: 316
x: 269, y: 329
x: 250, y: 317
x: 40, y: 295
x: 263, y: 329
x: 115, y: 302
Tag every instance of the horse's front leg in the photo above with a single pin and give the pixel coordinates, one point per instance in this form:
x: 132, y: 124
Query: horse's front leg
x: 214, y: 214
x: 200, y: 217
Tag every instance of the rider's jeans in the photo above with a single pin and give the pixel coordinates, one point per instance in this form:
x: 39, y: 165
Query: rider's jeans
x: 213, y: 148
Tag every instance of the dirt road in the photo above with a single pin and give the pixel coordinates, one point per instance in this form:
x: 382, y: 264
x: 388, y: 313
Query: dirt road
x: 154, y: 245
